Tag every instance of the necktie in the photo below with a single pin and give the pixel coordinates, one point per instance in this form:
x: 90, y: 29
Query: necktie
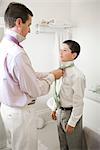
x: 56, y: 94
x: 13, y: 39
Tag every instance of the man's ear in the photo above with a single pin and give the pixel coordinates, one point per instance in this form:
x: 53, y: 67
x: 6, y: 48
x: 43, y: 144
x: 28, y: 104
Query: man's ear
x: 74, y: 55
x: 18, y: 22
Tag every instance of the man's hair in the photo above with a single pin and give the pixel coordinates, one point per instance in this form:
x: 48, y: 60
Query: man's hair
x: 74, y: 46
x: 14, y: 11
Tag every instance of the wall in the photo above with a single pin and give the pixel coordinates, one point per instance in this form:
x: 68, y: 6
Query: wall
x: 85, y: 17
x: 43, y: 47
x: 1, y: 28
x: 86, y: 30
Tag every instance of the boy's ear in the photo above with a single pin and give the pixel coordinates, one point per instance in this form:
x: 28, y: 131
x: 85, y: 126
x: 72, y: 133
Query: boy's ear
x: 74, y: 55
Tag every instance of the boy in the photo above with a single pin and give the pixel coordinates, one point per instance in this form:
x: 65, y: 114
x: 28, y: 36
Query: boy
x: 69, y: 115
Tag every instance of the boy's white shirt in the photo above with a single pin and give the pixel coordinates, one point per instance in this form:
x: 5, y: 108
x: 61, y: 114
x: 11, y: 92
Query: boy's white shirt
x: 71, y: 93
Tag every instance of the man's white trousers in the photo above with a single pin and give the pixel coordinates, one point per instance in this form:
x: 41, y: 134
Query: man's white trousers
x: 20, y: 124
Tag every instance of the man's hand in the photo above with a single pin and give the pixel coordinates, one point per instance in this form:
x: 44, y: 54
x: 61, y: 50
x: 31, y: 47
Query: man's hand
x: 69, y: 129
x: 53, y: 115
x: 57, y: 73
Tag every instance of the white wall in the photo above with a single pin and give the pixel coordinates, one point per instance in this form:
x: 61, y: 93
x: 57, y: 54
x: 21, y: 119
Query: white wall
x: 1, y: 28
x: 42, y: 52
x: 85, y: 17
x: 42, y: 48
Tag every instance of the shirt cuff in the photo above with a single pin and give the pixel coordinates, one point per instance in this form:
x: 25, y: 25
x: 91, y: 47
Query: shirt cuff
x: 50, y: 78
x: 51, y: 104
x: 71, y: 123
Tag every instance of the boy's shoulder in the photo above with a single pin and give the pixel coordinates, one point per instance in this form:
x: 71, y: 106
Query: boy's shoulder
x: 78, y: 73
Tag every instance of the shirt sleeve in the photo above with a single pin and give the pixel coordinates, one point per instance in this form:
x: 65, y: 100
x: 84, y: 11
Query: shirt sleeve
x: 78, y: 90
x: 28, y: 81
x: 41, y: 75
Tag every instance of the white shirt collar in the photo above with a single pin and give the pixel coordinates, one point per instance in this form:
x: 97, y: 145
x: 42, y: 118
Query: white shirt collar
x: 19, y: 37
x: 68, y: 63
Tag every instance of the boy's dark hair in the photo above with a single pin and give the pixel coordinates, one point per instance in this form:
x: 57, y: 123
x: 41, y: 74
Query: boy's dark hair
x: 74, y: 46
x: 14, y: 11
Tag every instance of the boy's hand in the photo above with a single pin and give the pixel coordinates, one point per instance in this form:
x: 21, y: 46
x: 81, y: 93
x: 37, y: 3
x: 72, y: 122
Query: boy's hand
x: 53, y: 115
x: 69, y: 129
x: 58, y: 73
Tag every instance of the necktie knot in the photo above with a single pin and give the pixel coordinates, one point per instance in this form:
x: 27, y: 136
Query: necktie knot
x: 63, y: 67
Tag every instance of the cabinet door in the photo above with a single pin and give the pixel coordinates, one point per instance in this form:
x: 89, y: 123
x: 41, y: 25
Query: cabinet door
x: 91, y: 114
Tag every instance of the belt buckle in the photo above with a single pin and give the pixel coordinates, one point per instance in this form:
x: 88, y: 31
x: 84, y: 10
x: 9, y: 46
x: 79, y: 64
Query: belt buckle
x: 32, y: 102
x: 67, y: 108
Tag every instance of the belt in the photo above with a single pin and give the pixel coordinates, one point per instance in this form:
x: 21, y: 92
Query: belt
x: 66, y: 108
x: 32, y: 102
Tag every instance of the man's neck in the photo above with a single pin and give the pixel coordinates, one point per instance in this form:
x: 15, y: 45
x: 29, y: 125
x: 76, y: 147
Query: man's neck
x: 15, y: 34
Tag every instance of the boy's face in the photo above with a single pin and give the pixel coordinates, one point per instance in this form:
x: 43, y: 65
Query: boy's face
x: 66, y: 54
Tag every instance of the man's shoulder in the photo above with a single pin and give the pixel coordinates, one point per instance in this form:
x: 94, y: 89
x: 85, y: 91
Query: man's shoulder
x: 16, y: 50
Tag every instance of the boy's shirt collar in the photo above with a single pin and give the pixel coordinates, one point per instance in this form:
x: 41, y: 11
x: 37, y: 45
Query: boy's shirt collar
x: 67, y: 64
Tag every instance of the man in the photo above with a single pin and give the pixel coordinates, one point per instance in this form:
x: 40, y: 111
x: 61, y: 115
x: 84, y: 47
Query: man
x: 20, y: 85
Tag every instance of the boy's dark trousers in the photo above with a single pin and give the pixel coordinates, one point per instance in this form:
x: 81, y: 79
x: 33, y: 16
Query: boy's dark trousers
x: 69, y: 142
